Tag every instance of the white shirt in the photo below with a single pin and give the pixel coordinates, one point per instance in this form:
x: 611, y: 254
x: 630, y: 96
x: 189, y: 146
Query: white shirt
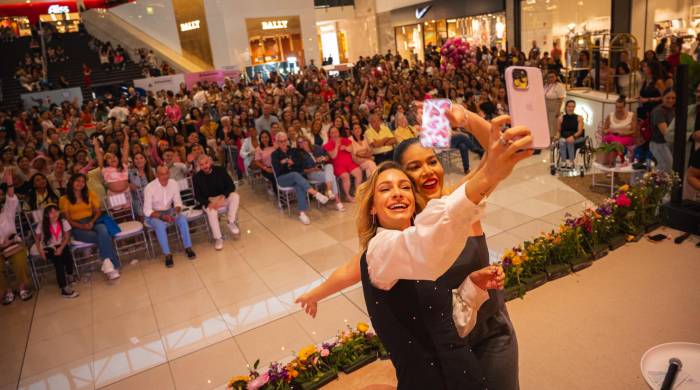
x: 120, y: 113
x: 199, y: 99
x: 53, y: 241
x: 554, y: 91
x: 7, y: 218
x: 159, y: 198
x: 427, y: 250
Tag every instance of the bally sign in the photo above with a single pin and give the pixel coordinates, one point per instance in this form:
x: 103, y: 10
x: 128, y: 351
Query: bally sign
x: 193, y: 25
x: 58, y: 9
x: 274, y: 25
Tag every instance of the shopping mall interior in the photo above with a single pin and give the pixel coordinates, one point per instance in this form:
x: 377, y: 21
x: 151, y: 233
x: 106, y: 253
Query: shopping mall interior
x: 349, y: 194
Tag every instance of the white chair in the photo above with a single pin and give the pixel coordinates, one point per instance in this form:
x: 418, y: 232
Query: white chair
x: 286, y: 195
x: 132, y: 238
x: 196, y: 218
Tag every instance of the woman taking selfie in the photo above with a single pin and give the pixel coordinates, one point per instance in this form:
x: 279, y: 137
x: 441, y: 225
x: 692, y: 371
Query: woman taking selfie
x: 493, y: 338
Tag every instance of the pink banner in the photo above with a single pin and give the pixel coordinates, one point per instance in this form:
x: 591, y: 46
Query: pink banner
x: 215, y: 76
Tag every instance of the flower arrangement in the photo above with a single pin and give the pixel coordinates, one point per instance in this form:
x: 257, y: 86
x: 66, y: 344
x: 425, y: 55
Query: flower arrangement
x: 623, y: 217
x: 313, y: 366
x: 606, y: 153
x: 455, y: 52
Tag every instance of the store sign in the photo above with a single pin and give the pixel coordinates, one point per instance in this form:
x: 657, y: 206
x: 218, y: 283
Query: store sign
x: 421, y: 11
x: 58, y: 9
x: 274, y: 25
x: 188, y: 26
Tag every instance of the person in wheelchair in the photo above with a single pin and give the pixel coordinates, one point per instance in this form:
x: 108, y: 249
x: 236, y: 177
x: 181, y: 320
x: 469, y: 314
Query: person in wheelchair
x: 569, y: 130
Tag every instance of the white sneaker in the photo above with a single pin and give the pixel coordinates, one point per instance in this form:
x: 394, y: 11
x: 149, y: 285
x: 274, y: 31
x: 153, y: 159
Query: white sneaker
x: 340, y: 206
x: 107, y: 266
x: 321, y: 198
x: 218, y: 244
x: 233, y: 227
x: 330, y: 195
x: 304, y: 218
x: 113, y: 274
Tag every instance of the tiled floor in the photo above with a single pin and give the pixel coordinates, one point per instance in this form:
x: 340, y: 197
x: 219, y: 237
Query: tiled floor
x: 194, y: 326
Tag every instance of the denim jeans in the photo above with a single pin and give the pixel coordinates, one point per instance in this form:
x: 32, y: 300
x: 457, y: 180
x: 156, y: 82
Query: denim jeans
x: 566, y: 150
x: 464, y: 144
x: 161, y: 228
x: 100, y: 236
x: 325, y: 176
x: 301, y: 186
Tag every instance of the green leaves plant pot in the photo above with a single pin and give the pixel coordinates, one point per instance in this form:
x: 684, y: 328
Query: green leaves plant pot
x: 359, y: 362
x: 534, y: 281
x: 580, y: 263
x: 599, y: 251
x: 616, y: 241
x: 556, y: 271
x: 319, y: 381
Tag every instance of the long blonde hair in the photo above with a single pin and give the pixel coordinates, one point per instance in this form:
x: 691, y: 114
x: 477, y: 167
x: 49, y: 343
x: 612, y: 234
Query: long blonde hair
x: 366, y: 223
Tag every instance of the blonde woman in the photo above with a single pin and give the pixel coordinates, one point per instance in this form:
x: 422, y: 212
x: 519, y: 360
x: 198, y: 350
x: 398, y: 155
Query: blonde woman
x: 494, y: 339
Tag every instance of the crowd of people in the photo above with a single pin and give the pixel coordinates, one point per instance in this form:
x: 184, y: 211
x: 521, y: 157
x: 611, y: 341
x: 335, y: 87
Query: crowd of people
x: 151, y: 66
x: 310, y: 134
x: 111, y: 58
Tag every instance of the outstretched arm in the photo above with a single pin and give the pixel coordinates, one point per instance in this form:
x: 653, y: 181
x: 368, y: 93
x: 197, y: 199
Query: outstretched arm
x: 343, y: 277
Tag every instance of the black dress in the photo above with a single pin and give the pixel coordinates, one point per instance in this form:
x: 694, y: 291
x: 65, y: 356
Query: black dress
x: 421, y: 312
x: 416, y: 327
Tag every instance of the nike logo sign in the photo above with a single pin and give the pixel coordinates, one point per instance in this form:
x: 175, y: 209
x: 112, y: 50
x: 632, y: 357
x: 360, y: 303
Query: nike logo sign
x: 420, y: 12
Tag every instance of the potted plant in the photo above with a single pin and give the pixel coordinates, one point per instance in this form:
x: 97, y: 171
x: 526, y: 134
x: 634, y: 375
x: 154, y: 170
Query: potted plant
x: 353, y: 350
x: 607, y: 153
x: 313, y: 368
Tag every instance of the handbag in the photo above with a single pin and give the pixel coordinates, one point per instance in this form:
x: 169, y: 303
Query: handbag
x: 112, y: 226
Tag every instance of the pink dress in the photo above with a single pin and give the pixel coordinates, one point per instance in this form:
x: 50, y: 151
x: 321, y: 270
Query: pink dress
x: 342, y: 163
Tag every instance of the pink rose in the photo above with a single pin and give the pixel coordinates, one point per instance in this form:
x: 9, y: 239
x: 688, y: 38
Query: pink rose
x: 622, y: 200
x: 325, y: 352
x: 259, y: 382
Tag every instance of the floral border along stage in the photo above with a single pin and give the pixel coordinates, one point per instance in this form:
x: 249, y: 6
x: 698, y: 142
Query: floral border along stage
x: 313, y: 366
x: 626, y: 216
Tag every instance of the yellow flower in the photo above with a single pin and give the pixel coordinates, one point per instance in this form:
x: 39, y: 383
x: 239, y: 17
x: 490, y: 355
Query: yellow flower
x: 630, y: 238
x: 239, y: 378
x: 307, y: 351
x: 624, y: 188
x: 517, y: 260
x: 362, y: 327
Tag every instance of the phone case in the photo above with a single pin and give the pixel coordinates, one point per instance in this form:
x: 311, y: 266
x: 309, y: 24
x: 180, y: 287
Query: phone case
x: 526, y: 104
x: 435, y: 127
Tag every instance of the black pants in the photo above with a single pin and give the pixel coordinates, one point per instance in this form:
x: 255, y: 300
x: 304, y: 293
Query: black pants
x: 63, y: 264
x: 381, y: 157
x: 269, y: 176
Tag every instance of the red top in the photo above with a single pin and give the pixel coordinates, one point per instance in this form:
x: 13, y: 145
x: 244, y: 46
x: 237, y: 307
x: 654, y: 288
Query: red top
x: 343, y: 160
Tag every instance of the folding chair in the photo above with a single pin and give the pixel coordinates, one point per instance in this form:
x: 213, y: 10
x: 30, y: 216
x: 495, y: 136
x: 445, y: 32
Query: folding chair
x: 173, y: 237
x: 286, y: 194
x: 132, y: 238
x: 196, y: 218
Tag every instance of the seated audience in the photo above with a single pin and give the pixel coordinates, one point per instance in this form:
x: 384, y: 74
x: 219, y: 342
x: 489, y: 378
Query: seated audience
x: 52, y: 241
x: 340, y: 151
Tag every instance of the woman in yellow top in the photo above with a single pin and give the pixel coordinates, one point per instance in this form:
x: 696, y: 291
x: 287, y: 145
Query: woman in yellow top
x: 82, y: 209
x: 403, y: 130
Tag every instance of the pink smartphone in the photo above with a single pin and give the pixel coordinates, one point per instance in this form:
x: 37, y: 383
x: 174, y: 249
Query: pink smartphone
x: 526, y: 103
x: 435, y: 127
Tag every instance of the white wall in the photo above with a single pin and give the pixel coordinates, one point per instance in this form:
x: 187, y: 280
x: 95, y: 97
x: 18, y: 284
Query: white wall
x: 388, y: 5
x: 359, y: 23
x: 655, y: 10
x: 160, y: 25
x: 227, y: 28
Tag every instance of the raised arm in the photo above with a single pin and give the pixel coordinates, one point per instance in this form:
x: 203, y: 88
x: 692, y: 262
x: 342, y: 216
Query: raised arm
x: 99, y: 154
x: 343, y: 277
x: 125, y: 150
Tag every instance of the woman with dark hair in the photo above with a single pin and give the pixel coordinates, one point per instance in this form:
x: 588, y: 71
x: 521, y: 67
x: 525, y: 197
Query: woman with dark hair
x: 82, y: 209
x: 661, y: 117
x: 40, y: 193
x: 54, y: 152
x: 52, y: 240
x: 263, y: 156
x: 139, y: 176
x: 569, y: 128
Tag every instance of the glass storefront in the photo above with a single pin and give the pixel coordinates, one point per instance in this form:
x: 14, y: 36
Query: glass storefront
x: 275, y: 39
x: 19, y: 25
x: 413, y: 39
x: 332, y: 43
x: 63, y: 22
x: 556, y: 21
